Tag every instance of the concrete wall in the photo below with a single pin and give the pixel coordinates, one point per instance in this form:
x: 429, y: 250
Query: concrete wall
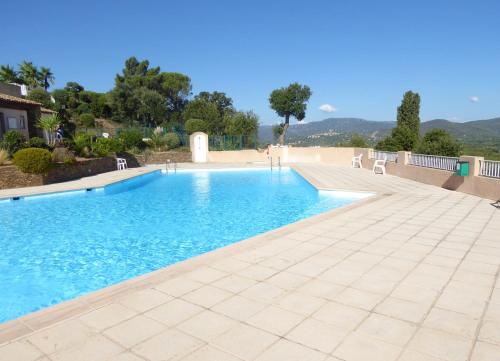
x: 473, y: 184
x: 340, y: 156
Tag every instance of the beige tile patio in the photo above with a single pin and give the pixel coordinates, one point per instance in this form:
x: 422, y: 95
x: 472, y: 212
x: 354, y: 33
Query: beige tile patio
x: 452, y: 322
x: 107, y: 316
x: 178, y: 286
x: 357, y: 298
x: 490, y: 332
x: 207, y: 296
x: 168, y: 345
x: 317, y: 335
x: 96, y: 348
x: 388, y: 329
x: 245, y: 341
x: 19, y: 350
x: 174, y: 312
x: 239, y: 308
x: 61, y: 337
x: 441, y: 345
x: 234, y: 283
x: 300, y: 303
x: 207, y: 325
x: 275, y: 320
x: 485, y: 352
x: 344, y: 317
x: 144, y: 300
x: 360, y: 347
x: 134, y: 330
x: 209, y: 353
x: 290, y: 351
x: 402, y: 309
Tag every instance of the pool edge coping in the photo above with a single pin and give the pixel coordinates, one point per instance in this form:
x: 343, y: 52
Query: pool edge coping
x: 36, y: 321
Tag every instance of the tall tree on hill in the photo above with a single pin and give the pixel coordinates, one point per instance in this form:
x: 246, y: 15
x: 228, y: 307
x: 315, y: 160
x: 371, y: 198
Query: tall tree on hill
x: 137, y: 92
x: 223, y: 103
x: 290, y: 101
x: 405, y: 135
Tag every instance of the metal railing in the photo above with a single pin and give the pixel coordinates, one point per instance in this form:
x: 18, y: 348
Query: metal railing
x: 489, y: 168
x: 434, y: 161
x: 381, y: 155
x: 232, y: 142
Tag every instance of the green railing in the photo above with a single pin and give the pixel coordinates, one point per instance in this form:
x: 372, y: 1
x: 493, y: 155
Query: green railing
x: 232, y: 142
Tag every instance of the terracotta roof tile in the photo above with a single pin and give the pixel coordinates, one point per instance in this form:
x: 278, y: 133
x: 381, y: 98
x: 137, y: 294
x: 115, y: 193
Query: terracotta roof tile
x: 18, y: 100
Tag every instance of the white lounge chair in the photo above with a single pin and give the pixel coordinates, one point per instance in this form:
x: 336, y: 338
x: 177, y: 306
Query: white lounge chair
x: 380, y: 165
x: 356, y: 161
x: 121, y: 164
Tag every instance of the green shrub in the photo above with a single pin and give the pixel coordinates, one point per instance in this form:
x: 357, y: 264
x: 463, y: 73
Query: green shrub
x: 196, y: 125
x: 36, y: 142
x: 33, y: 160
x: 63, y: 155
x: 439, y: 142
x: 12, y: 141
x: 172, y: 140
x: 4, y: 155
x: 42, y: 96
x: 106, y: 146
x: 131, y: 138
x: 87, y: 120
x: 157, y: 141
x: 82, y: 144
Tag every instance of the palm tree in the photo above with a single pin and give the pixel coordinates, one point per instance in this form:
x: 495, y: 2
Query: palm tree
x: 49, y: 125
x: 28, y: 74
x: 46, y: 77
x: 8, y: 74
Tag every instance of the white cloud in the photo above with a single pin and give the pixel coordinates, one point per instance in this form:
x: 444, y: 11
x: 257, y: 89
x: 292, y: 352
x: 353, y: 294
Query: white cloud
x: 474, y: 99
x: 327, y: 108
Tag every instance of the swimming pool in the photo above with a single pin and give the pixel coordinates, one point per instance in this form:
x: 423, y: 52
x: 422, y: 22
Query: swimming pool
x: 59, y: 246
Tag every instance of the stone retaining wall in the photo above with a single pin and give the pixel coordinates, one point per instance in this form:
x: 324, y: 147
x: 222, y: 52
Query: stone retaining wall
x: 11, y: 177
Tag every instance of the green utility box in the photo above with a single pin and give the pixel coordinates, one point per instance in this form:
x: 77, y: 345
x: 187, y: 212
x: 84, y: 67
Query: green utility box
x: 462, y: 168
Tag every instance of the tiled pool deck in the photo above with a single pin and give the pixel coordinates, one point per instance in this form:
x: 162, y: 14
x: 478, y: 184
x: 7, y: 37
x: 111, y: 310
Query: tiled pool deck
x: 410, y: 275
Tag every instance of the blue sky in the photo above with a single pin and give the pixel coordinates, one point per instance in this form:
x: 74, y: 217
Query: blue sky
x: 357, y: 56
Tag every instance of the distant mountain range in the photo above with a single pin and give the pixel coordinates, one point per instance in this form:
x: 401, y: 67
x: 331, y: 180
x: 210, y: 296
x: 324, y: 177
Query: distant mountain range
x: 333, y: 130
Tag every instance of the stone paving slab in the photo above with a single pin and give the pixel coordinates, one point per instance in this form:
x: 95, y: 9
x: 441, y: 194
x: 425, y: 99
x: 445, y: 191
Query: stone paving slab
x: 409, y: 276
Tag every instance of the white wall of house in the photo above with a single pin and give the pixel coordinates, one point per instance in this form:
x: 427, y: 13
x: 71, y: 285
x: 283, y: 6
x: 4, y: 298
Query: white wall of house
x: 15, y: 119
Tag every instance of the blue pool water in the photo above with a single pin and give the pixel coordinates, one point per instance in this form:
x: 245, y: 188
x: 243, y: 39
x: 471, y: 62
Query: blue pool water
x: 56, y: 247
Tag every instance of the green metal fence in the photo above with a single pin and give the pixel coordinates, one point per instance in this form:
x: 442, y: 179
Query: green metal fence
x: 231, y: 142
x: 215, y: 142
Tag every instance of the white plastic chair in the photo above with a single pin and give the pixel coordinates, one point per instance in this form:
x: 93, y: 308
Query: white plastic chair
x: 356, y: 161
x: 379, y: 164
x: 121, y: 164
x: 105, y: 135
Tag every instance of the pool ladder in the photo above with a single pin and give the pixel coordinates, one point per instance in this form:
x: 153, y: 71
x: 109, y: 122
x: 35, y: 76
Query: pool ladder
x: 271, y: 163
x: 168, y: 164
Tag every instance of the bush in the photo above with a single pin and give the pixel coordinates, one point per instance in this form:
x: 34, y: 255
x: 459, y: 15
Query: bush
x: 12, y: 141
x: 172, y: 140
x: 63, y: 155
x: 105, y: 146
x: 36, y: 142
x: 87, y: 120
x: 4, y: 155
x: 33, y: 160
x: 82, y: 144
x: 439, y: 142
x: 42, y: 96
x: 196, y: 125
x: 131, y: 138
